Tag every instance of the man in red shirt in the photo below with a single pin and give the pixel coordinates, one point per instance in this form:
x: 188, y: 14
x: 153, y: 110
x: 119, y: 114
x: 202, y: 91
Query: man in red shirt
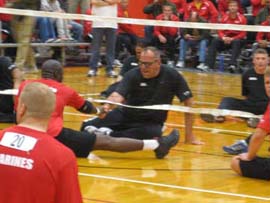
x: 223, y: 7
x: 126, y: 37
x: 165, y: 36
x: 263, y: 38
x: 249, y: 164
x: 28, y: 172
x: 228, y: 39
x: 205, y: 9
x: 83, y: 142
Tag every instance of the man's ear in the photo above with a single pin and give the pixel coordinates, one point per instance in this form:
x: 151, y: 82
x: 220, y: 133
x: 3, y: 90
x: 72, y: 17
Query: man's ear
x: 21, y: 110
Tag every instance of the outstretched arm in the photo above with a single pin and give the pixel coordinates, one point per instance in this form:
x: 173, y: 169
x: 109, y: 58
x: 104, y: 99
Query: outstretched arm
x: 189, y: 136
x: 114, y: 97
x: 255, y: 143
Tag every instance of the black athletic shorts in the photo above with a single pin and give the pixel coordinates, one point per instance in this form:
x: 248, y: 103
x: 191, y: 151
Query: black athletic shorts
x: 256, y: 168
x: 81, y: 143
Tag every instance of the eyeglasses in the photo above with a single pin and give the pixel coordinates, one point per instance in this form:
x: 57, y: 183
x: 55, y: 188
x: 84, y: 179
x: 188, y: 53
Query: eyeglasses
x: 146, y: 64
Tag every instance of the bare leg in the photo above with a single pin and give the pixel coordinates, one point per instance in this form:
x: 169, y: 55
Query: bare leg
x: 105, y: 142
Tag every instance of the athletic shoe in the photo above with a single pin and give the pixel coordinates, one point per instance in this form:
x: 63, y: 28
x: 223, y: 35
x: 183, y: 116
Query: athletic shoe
x: 232, y: 68
x: 237, y: 148
x: 166, y: 143
x: 180, y: 64
x: 92, y: 73
x: 111, y: 74
x: 117, y: 63
x: 91, y: 129
x: 203, y: 67
x: 170, y: 64
x: 103, y: 131
x: 200, y: 66
x: 253, y: 122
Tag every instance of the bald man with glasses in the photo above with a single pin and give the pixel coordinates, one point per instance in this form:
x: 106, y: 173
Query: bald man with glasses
x: 149, y: 84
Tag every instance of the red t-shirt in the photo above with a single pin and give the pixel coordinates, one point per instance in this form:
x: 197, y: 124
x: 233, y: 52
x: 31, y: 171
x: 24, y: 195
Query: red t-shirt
x: 265, y: 121
x: 235, y: 34
x: 35, y: 168
x: 172, y: 31
x: 263, y: 35
x: 207, y: 10
x: 65, y: 96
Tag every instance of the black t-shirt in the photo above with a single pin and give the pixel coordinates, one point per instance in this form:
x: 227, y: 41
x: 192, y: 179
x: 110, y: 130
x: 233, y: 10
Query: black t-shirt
x: 253, y: 86
x: 139, y: 91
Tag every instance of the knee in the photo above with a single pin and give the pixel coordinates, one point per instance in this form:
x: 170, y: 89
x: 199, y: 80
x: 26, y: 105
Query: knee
x: 103, y: 142
x: 235, y: 165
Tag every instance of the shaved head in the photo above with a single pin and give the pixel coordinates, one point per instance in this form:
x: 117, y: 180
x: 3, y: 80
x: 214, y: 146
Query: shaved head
x: 52, y: 69
x: 38, y: 99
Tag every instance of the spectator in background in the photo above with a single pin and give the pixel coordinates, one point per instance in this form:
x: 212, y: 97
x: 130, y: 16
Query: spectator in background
x: 164, y: 37
x: 193, y: 38
x: 63, y: 32
x: 103, y: 29
x: 228, y: 39
x: 263, y: 13
x: 204, y: 8
x: 87, y: 28
x: 7, y: 36
x: 263, y: 38
x: 154, y: 9
x: 126, y: 37
x: 46, y: 31
x: 223, y: 7
x: 22, y: 29
x: 10, y: 78
x: 28, y: 172
x: 83, y: 5
x: 180, y: 6
x: 256, y: 6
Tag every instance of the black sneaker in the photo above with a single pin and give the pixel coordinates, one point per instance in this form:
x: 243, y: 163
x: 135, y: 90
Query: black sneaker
x: 166, y: 143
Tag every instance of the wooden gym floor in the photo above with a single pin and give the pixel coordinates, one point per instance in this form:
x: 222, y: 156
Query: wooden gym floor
x: 189, y: 173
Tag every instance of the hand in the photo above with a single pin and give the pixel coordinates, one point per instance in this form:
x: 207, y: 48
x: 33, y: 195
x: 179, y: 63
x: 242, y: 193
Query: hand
x: 187, y: 36
x: 162, y: 39
x: 243, y: 157
x: 106, y: 108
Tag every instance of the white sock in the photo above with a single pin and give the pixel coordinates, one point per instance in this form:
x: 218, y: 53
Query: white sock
x: 150, y: 144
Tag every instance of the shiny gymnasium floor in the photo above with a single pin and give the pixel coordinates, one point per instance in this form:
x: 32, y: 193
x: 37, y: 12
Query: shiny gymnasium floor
x: 189, y: 173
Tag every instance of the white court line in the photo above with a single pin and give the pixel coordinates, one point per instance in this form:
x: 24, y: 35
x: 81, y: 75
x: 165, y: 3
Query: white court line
x: 175, y: 186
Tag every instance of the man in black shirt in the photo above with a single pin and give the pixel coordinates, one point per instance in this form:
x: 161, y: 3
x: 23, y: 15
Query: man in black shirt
x: 255, y: 99
x: 10, y: 77
x: 150, y: 84
x: 130, y: 63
